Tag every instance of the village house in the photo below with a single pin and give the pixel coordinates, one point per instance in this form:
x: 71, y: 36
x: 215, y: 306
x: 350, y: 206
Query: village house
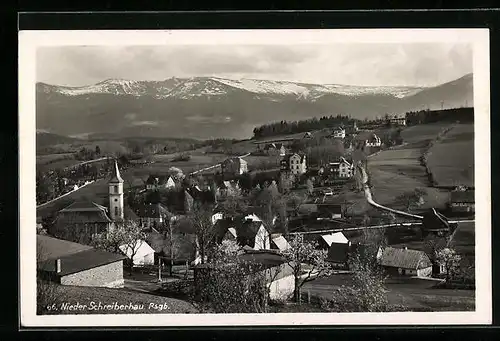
x: 462, y: 201
x: 279, y: 243
x: 339, y: 254
x: 307, y: 135
x: 140, y: 253
x: 294, y: 163
x: 341, y: 169
x: 339, y: 133
x: 246, y: 230
x: 275, y: 148
x: 252, y: 233
x: 225, y: 189
x: 325, y: 241
x: 373, y: 141
x: 159, y: 182
x: 69, y: 263
x: 278, y: 274
x: 329, y: 211
x: 397, y: 121
x: 404, y: 262
x: 152, y: 216
x: 233, y: 167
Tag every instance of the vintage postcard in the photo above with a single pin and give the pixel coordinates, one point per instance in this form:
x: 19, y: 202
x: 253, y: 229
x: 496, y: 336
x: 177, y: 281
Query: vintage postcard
x: 254, y: 177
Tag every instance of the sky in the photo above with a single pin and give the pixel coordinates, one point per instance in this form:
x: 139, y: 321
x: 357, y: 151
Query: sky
x: 416, y: 64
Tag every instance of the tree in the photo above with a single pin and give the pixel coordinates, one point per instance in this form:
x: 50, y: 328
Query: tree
x: 432, y: 245
x: 367, y: 293
x: 230, y: 285
x: 411, y: 200
x: 200, y: 218
x: 48, y: 294
x: 173, y: 245
x: 450, y: 261
x: 176, y: 174
x: 310, y: 186
x: 127, y: 235
x: 234, y: 205
x: 97, y: 150
x: 306, y: 262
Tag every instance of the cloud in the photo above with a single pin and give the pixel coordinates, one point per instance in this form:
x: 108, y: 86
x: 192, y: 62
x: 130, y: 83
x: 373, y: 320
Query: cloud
x: 357, y: 64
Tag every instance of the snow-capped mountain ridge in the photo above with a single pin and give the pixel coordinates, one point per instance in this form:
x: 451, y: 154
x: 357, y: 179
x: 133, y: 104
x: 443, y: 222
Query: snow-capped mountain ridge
x: 185, y: 88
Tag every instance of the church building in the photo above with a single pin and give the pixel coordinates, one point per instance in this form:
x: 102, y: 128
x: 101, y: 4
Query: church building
x: 79, y: 221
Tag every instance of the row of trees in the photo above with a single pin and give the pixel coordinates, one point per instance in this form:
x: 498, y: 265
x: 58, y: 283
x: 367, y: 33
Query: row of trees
x: 291, y: 127
x: 448, y: 115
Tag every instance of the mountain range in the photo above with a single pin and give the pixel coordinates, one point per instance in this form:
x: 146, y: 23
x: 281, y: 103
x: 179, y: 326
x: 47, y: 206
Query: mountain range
x: 211, y: 107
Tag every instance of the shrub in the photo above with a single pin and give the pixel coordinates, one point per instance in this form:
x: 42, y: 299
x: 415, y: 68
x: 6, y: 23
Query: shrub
x: 182, y: 157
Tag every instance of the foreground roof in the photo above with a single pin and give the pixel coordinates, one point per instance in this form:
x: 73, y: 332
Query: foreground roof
x: 74, y: 257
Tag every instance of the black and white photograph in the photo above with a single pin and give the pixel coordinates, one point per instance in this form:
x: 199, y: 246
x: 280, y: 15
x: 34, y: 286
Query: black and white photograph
x: 259, y: 177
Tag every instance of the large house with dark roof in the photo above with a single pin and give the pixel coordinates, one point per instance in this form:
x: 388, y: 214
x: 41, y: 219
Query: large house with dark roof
x: 69, y: 263
x: 462, y: 201
x: 160, y: 182
x: 247, y: 230
x: 271, y: 265
x: 404, y: 262
x: 151, y: 216
x: 233, y: 167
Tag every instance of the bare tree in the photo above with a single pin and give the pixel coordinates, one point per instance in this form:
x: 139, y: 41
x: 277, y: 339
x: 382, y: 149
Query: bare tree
x: 200, y: 218
x: 306, y: 262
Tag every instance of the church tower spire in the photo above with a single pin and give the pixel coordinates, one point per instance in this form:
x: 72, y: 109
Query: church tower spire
x: 116, y: 194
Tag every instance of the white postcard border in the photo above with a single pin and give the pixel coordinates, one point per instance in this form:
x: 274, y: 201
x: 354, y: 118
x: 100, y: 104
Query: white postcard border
x: 29, y: 41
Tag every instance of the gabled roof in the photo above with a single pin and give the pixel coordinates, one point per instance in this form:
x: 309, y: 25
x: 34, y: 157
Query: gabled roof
x: 247, y: 231
x: 287, y: 157
x: 280, y: 243
x: 404, y: 258
x: 116, y: 177
x: 337, y: 237
x: 340, y: 252
x: 74, y: 257
x: 49, y: 247
x: 141, y: 248
x: 152, y: 210
x: 83, y: 212
x: 462, y: 196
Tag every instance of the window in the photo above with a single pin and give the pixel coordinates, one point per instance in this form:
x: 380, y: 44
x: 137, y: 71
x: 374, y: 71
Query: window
x: 116, y: 211
x: 116, y: 200
x: 116, y: 189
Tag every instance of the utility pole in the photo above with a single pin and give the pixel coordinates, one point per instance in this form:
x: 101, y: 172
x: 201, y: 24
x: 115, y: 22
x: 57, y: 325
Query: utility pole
x: 442, y: 103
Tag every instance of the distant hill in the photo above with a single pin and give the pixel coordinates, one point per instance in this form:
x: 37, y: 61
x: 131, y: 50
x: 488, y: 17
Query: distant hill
x: 45, y: 139
x: 211, y: 107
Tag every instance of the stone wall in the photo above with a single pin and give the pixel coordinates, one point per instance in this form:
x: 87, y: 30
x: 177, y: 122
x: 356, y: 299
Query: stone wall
x: 109, y: 275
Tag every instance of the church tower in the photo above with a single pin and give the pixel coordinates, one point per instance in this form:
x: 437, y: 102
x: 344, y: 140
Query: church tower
x: 116, y: 194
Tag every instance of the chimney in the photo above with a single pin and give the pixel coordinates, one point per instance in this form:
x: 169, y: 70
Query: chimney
x: 58, y: 265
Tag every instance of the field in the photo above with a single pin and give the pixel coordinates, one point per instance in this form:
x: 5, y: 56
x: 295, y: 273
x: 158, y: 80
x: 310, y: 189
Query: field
x: 451, y: 160
x: 398, y: 171
x: 414, y: 294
